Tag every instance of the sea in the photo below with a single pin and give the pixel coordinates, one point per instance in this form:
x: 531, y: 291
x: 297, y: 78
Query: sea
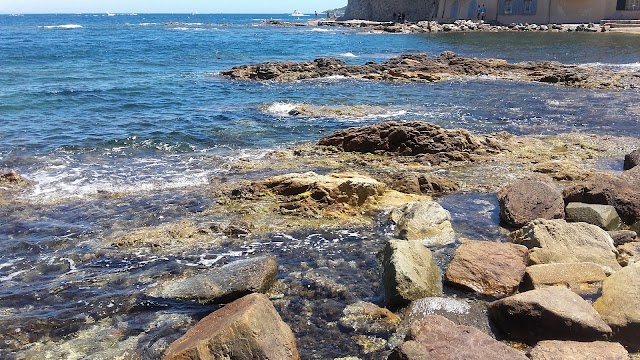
x: 133, y: 104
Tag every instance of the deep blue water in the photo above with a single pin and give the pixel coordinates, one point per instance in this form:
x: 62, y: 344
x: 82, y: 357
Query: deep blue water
x: 133, y: 103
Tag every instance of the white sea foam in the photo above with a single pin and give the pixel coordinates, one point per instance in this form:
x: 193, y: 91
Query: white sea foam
x: 280, y: 108
x: 348, y: 54
x: 320, y: 30
x: 64, y: 27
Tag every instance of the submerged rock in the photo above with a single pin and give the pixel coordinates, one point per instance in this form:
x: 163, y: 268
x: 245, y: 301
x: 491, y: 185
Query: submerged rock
x: 619, y: 306
x: 632, y: 159
x: 368, y: 318
x: 582, y: 278
x: 556, y: 241
x: 604, y: 216
x: 527, y: 200
x: 425, y: 221
x: 488, y: 268
x: 435, y: 337
x: 248, y: 328
x: 574, y: 350
x: 224, y: 284
x: 409, y: 272
x: 553, y: 313
x: 13, y: 178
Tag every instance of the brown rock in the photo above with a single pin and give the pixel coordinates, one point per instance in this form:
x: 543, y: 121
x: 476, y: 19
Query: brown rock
x: 623, y: 236
x: 581, y: 278
x: 435, y: 337
x: 488, y: 268
x: 248, y: 328
x: 632, y: 159
x: 414, y: 183
x: 562, y: 170
x: 553, y: 313
x: 13, y: 178
x: 573, y: 350
x: 629, y: 253
x: 527, y: 200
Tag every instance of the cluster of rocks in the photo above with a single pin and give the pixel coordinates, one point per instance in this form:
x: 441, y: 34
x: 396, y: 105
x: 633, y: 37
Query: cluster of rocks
x: 446, y: 66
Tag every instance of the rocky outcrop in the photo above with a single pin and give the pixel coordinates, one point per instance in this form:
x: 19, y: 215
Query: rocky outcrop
x: 574, y: 350
x: 632, y: 159
x: 556, y: 241
x: 446, y: 66
x: 224, y: 284
x: 488, y: 268
x: 629, y: 253
x: 553, y: 313
x: 527, y: 200
x: 377, y: 10
x: 425, y: 221
x: 619, y: 306
x: 604, y: 216
x: 581, y: 278
x: 435, y: 337
x: 409, y: 272
x: 13, y: 178
x: 248, y: 328
x: 414, y: 183
x: 368, y: 318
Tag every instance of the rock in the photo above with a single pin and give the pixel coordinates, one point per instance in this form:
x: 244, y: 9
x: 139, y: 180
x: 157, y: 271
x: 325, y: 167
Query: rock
x: 556, y: 241
x: 367, y: 318
x: 414, y: 183
x: 573, y: 350
x: 632, y: 159
x: 621, y: 192
x: 248, y: 328
x: 553, y: 313
x: 629, y: 253
x: 469, y: 312
x: 527, y: 200
x: 224, y: 284
x: 13, y: 178
x: 488, y: 268
x: 426, y: 221
x: 619, y: 306
x: 348, y: 188
x: 562, y: 170
x: 581, y: 278
x: 623, y: 236
x: 604, y: 216
x: 436, y: 337
x: 409, y: 272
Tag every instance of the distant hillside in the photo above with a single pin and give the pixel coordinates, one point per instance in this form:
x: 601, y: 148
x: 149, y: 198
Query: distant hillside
x: 338, y: 10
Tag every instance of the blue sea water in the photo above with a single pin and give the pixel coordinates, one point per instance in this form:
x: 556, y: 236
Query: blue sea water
x: 134, y: 103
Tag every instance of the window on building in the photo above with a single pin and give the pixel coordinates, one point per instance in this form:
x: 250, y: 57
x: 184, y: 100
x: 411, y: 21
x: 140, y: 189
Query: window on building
x: 632, y: 5
x: 519, y: 7
x: 507, y: 7
x: 527, y: 7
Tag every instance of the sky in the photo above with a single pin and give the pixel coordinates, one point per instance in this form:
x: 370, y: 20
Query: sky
x: 166, y: 6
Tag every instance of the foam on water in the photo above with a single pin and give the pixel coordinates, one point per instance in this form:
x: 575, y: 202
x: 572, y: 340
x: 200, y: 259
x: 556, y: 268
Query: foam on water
x: 280, y: 108
x: 348, y: 55
x: 65, y: 26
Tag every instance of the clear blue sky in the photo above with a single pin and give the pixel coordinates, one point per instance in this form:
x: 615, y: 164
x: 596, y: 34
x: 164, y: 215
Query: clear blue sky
x: 166, y: 6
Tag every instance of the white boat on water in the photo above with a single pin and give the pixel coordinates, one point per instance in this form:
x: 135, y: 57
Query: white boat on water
x: 111, y: 14
x: 297, y: 13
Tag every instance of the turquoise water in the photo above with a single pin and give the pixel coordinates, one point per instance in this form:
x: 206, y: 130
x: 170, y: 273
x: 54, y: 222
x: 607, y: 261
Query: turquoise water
x: 133, y: 103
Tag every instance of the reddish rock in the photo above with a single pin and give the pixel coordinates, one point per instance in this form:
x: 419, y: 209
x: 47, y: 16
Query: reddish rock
x: 527, y: 200
x: 248, y: 328
x: 488, y: 268
x: 435, y: 337
x: 573, y: 350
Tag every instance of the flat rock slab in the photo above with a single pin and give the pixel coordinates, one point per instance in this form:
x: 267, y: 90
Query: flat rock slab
x: 409, y: 272
x: 556, y: 241
x: 224, y: 284
x: 527, y: 200
x: 574, y: 350
x: 367, y: 318
x: 248, y: 328
x: 469, y: 312
x: 619, y: 306
x: 435, y: 337
x: 488, y: 268
x: 632, y: 159
x: 604, y: 216
x: 446, y: 66
x: 426, y: 221
x: 553, y: 313
x: 581, y: 278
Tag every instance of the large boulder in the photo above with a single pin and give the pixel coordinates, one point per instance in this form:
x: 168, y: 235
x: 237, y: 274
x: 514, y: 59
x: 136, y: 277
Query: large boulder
x: 224, y: 284
x: 632, y: 159
x: 426, y: 221
x: 368, y: 318
x: 604, y: 216
x: 527, y: 200
x: 574, y: 350
x: 622, y: 192
x: 619, y: 305
x: 248, y: 328
x: 556, y: 241
x: 488, y: 268
x: 469, y: 312
x: 581, y: 278
x: 435, y: 337
x: 409, y: 272
x: 553, y: 313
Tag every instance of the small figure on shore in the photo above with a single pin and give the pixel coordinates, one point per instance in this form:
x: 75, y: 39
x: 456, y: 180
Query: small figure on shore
x: 394, y: 17
x: 316, y: 14
x: 404, y: 17
x: 483, y: 13
x: 478, y: 13
x: 327, y: 14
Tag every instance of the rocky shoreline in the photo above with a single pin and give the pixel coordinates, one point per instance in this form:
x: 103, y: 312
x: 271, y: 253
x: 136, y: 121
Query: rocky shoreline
x: 446, y: 66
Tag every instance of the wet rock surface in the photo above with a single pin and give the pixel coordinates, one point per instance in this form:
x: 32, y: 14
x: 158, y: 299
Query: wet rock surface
x: 553, y: 313
x: 368, y: 318
x: 527, y: 200
x: 446, y: 66
x: 574, y: 350
x: 488, y: 268
x: 425, y: 221
x: 632, y: 159
x: 13, y: 178
x: 581, y: 278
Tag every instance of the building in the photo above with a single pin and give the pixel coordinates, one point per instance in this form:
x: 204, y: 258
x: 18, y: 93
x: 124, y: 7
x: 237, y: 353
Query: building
x: 540, y: 11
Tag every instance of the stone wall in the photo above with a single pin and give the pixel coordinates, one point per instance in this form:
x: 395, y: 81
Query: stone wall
x: 383, y: 10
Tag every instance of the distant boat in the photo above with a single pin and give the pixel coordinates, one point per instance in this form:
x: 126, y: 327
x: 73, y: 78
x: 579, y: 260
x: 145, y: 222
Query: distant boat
x: 111, y: 14
x: 297, y: 13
